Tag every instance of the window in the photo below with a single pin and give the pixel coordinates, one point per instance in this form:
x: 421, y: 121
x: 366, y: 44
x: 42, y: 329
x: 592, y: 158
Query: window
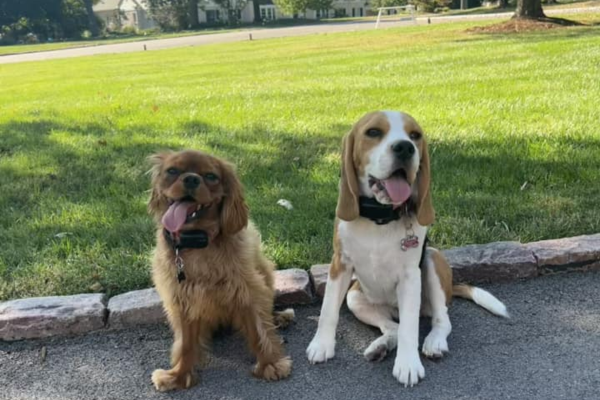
x: 361, y: 11
x: 353, y: 12
x: 267, y: 12
x: 339, y: 12
x: 212, y: 16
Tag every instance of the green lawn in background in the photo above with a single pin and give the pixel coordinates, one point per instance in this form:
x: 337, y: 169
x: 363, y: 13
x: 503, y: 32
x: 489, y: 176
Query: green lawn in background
x: 512, y: 123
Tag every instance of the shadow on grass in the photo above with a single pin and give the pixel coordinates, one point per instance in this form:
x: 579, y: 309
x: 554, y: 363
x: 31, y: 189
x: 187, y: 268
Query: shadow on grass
x: 522, y: 189
x: 560, y: 33
x: 75, y: 196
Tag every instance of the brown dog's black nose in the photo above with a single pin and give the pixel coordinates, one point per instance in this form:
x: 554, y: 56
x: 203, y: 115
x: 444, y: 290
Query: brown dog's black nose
x: 403, y: 149
x: 191, y: 181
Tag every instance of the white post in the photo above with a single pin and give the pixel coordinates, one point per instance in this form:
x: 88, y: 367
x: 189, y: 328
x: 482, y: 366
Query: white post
x: 378, y: 19
x: 412, y: 13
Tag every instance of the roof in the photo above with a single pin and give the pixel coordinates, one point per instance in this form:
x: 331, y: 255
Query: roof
x: 107, y: 5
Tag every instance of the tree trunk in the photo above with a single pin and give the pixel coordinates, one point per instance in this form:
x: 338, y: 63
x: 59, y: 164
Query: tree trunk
x: 92, y: 21
x: 193, y: 20
x: 256, y: 4
x: 531, y: 9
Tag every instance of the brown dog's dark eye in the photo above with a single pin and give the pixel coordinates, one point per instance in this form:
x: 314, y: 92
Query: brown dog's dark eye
x: 374, y: 132
x: 414, y: 135
x: 211, y: 178
x: 173, y: 171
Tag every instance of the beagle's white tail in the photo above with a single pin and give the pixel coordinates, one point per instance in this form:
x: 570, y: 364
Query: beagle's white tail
x: 482, y: 298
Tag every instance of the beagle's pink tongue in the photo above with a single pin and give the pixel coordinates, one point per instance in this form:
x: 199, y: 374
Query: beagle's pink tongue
x: 176, y: 215
x: 398, y: 189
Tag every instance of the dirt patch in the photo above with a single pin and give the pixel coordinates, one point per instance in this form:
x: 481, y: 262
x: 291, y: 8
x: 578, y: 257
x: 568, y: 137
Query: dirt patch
x: 525, y: 25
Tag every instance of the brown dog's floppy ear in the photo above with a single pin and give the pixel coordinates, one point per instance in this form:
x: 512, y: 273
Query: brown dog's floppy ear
x: 425, y: 211
x: 347, y: 205
x: 155, y: 201
x: 234, y: 211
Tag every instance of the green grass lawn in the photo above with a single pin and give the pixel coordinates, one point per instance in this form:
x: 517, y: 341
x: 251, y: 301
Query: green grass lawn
x: 512, y: 123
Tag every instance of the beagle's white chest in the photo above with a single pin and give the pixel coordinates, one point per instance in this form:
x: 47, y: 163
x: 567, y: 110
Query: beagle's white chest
x: 376, y: 254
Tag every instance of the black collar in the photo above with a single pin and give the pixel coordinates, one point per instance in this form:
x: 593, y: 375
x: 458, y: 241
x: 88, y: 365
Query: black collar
x: 187, y: 240
x: 381, y: 214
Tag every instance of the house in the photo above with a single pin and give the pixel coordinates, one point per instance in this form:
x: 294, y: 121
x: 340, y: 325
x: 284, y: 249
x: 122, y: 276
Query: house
x: 266, y: 10
x: 119, y: 14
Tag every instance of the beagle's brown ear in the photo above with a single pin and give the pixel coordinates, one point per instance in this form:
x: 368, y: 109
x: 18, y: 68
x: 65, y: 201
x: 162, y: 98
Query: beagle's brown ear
x: 425, y: 211
x: 347, y: 205
x: 155, y: 204
x: 234, y: 211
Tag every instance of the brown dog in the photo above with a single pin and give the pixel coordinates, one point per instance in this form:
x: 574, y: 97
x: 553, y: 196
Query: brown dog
x: 197, y: 198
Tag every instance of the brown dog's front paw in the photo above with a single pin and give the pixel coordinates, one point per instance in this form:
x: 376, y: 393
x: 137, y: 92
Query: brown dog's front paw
x: 167, y: 380
x: 274, y: 372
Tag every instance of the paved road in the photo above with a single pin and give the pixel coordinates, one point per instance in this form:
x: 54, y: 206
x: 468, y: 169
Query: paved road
x: 548, y: 350
x: 243, y: 35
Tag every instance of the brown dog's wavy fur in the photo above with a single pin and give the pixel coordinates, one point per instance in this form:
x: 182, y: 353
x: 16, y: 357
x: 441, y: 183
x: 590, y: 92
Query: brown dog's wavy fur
x: 230, y: 282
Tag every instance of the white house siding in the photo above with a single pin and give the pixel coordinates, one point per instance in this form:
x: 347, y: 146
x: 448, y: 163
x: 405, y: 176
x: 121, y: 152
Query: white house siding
x: 352, y: 8
x: 110, y: 18
x: 209, y: 13
x: 117, y: 14
x: 248, y: 13
x: 136, y: 15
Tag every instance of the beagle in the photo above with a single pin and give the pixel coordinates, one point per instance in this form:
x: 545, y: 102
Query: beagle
x: 384, y: 209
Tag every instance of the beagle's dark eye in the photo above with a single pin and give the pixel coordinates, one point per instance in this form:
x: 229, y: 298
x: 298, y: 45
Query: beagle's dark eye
x: 374, y: 132
x: 210, y: 177
x: 414, y: 135
x: 173, y: 171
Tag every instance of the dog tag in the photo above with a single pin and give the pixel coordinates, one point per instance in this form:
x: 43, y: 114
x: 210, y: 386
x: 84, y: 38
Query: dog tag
x: 409, y: 242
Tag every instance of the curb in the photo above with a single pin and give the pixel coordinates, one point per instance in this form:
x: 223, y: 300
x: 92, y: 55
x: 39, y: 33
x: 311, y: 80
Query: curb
x: 42, y: 317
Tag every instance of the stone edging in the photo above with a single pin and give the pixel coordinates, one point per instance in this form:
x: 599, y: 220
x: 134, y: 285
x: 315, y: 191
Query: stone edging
x: 494, y: 262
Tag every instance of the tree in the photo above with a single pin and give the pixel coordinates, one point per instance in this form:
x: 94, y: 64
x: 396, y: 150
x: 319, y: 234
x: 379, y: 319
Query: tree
x: 92, y: 21
x: 193, y: 20
x: 530, y: 9
x: 292, y: 7
x: 33, y: 20
x: 174, y: 14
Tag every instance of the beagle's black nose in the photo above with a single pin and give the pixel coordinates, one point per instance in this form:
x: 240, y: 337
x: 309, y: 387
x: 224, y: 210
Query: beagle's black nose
x: 403, y: 149
x: 191, y: 181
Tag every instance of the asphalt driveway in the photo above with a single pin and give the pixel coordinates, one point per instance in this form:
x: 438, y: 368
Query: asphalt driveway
x: 547, y: 350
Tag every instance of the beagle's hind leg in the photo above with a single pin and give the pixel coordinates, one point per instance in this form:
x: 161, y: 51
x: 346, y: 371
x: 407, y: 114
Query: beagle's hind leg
x: 376, y: 315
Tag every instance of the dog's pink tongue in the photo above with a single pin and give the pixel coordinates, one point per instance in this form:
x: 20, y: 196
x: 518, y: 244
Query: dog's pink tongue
x: 398, y: 189
x: 176, y: 215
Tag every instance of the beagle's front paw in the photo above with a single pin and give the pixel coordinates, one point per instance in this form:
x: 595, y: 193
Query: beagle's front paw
x: 320, y: 350
x: 435, y: 345
x: 408, y: 368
